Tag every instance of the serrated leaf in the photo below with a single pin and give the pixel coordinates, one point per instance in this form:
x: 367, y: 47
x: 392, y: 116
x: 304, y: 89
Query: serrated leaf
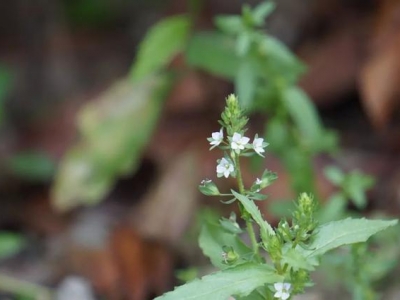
x: 349, y: 231
x: 252, y: 209
x: 213, y: 238
x: 237, y: 281
x: 296, y: 260
x: 162, y: 42
x: 213, y: 52
x: 114, y: 131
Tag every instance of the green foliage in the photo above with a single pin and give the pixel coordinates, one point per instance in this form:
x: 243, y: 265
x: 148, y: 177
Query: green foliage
x: 213, y: 238
x: 163, y: 41
x: 32, y: 166
x: 238, y: 281
x: 213, y: 52
x: 349, y: 231
x: 279, y: 261
x: 114, y: 131
x: 10, y: 243
x: 265, y: 73
x: 5, y: 81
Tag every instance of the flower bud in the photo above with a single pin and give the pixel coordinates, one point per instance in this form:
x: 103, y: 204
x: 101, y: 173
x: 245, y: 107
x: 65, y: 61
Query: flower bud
x: 229, y: 255
x: 208, y: 188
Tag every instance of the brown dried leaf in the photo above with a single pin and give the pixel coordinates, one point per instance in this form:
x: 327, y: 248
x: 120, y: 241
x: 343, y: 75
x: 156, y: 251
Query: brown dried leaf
x: 380, y: 76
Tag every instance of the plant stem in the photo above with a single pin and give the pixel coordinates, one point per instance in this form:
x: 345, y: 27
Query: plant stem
x: 21, y: 287
x: 249, y: 223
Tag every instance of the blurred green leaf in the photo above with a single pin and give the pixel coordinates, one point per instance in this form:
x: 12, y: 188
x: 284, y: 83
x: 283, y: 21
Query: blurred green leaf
x: 334, y: 174
x: 5, y: 81
x: 229, y: 24
x: 10, y: 243
x: 162, y: 42
x: 114, y: 131
x: 214, y: 53
x: 33, y: 166
x: 355, y: 185
x: 304, y: 115
x: 261, y: 11
x: 245, y: 83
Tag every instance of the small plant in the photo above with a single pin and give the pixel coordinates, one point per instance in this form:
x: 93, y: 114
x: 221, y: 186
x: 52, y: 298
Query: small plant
x: 278, y: 262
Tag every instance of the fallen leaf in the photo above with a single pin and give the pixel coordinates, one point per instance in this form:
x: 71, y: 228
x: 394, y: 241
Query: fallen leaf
x: 380, y: 77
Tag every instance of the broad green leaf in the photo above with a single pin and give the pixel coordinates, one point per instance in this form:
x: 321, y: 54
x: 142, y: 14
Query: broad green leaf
x: 304, y: 115
x: 213, y: 238
x: 114, y: 131
x: 10, y: 243
x: 245, y: 83
x: 237, y: 281
x: 213, y: 52
x: 349, y: 231
x: 251, y: 208
x: 163, y: 41
x: 33, y: 166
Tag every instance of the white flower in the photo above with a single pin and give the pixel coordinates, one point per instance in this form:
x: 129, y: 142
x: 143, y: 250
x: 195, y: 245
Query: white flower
x: 238, y: 142
x: 282, y: 290
x: 224, y: 168
x: 216, y: 138
x: 258, y: 181
x: 258, y: 145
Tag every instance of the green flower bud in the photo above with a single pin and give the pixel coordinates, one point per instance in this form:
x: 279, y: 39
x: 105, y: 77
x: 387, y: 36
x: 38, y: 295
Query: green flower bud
x: 229, y: 255
x: 208, y: 188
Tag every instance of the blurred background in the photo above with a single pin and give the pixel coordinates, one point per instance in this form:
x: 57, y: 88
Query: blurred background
x: 100, y: 167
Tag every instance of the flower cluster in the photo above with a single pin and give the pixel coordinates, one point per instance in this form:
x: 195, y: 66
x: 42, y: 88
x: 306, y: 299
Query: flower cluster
x: 238, y: 144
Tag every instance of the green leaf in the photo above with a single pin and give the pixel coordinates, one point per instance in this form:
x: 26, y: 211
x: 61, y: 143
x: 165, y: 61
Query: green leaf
x: 245, y: 83
x: 334, y: 174
x: 262, y: 11
x: 230, y: 24
x: 33, y: 166
x: 349, y: 231
x: 355, y: 185
x: 5, y: 85
x: 10, y: 243
x: 304, y: 115
x: 213, y: 238
x: 281, y: 63
x: 114, y: 132
x: 296, y: 260
x: 213, y: 52
x: 253, y: 210
x: 163, y: 41
x: 334, y: 209
x: 237, y: 281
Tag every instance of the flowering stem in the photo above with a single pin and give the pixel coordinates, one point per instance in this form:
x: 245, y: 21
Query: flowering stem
x: 249, y: 223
